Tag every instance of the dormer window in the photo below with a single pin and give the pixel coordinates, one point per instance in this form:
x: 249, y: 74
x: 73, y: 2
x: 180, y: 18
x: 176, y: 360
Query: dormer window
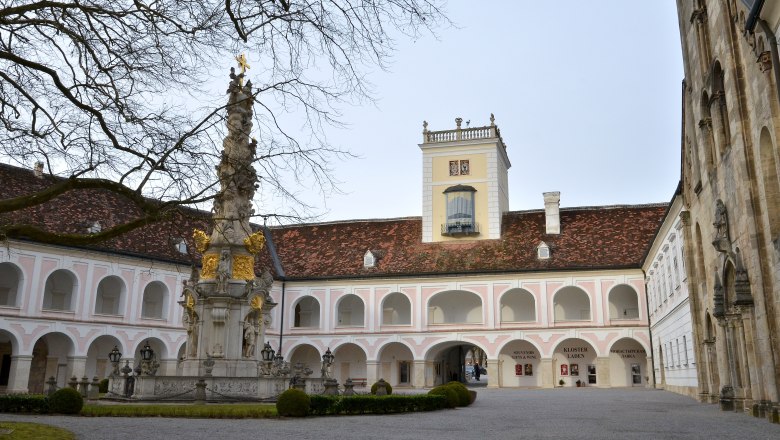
x: 181, y: 245
x: 460, y: 211
x: 369, y: 260
x: 94, y: 228
x: 543, y: 251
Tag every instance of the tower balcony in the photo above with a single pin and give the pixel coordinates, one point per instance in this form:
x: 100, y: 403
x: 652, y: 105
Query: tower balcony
x: 460, y: 229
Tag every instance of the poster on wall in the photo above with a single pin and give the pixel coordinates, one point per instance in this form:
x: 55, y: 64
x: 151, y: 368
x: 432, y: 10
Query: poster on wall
x: 574, y: 369
x: 529, y: 370
x: 518, y: 369
x: 564, y: 369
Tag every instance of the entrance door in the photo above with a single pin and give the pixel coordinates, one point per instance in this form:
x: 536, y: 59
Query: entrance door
x: 591, y: 374
x: 404, y: 373
x: 636, y: 375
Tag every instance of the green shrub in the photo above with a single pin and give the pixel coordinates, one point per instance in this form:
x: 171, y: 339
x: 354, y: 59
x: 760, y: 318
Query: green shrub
x: 66, y: 401
x: 323, y: 405
x: 103, y: 387
x: 24, y: 403
x: 293, y: 403
x: 387, y: 387
x: 447, y: 392
x: 463, y: 393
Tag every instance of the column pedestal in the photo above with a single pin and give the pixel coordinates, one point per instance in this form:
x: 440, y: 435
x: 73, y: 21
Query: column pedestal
x: 77, y: 366
x: 372, y: 372
x: 19, y: 376
x: 418, y: 374
x: 547, y: 375
x: 492, y: 374
x: 602, y: 372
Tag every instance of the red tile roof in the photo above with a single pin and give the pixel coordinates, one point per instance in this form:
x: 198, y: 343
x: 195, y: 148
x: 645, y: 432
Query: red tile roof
x: 591, y: 238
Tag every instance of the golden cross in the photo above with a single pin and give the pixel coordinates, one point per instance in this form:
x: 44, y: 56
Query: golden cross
x: 243, y: 65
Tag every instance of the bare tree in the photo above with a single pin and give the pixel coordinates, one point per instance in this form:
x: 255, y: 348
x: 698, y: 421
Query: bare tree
x: 100, y: 91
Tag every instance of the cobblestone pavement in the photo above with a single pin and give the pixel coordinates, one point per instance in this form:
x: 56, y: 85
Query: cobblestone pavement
x: 497, y: 414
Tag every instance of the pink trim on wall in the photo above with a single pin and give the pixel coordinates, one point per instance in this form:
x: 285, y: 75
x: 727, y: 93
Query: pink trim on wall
x: 601, y: 346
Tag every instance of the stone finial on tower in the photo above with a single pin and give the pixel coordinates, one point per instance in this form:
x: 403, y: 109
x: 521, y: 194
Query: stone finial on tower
x: 492, y: 120
x: 552, y: 215
x: 458, y: 122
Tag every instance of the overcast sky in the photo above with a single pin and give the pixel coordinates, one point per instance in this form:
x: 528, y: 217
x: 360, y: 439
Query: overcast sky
x: 586, y: 94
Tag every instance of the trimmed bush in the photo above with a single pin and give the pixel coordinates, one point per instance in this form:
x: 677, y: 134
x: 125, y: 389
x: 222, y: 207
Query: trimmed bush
x: 368, y: 404
x: 293, y: 403
x: 463, y: 393
x: 103, y: 387
x: 24, y: 403
x: 323, y: 405
x: 66, y: 401
x: 449, y: 393
x: 387, y: 387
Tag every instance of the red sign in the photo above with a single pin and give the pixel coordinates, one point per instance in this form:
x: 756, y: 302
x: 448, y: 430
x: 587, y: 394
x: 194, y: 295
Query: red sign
x: 564, y: 369
x: 518, y: 369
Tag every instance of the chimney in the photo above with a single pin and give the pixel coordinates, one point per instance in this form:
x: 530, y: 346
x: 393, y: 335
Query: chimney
x: 552, y: 215
x: 38, y: 169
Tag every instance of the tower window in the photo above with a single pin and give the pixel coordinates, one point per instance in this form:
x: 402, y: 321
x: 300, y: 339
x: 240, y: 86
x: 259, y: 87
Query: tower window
x: 460, y: 211
x: 459, y: 168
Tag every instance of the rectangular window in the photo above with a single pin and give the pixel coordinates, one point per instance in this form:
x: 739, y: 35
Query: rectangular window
x: 685, y: 349
x: 677, y: 342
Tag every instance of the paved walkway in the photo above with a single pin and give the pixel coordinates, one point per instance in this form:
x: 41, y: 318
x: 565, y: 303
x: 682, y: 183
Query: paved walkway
x: 570, y: 413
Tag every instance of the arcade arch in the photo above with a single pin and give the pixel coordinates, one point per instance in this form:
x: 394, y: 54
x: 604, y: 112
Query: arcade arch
x: 155, y: 301
x: 52, y: 356
x: 448, y: 360
x: 349, y: 362
x: 350, y: 311
x: 396, y: 364
x: 455, y: 307
x: 308, y: 355
x: 9, y: 346
x: 571, y: 304
x: 628, y: 364
x: 97, y: 356
x: 59, y: 291
x: 110, y: 297
x: 519, y: 364
x: 574, y: 360
x: 396, y: 309
x: 623, y: 302
x: 10, y: 284
x: 306, y: 313
x: 518, y: 305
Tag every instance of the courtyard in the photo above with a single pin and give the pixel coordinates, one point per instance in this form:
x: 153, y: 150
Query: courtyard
x: 589, y: 413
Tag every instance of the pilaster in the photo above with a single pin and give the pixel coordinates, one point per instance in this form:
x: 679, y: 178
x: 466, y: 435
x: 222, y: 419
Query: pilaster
x: 19, y: 376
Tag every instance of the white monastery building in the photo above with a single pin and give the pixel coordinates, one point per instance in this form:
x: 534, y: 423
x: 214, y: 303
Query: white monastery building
x: 548, y: 297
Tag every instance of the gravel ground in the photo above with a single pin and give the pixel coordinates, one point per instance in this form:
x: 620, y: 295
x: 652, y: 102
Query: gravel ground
x: 569, y: 413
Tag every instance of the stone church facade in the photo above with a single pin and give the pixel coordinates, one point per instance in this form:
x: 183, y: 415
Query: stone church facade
x: 731, y: 193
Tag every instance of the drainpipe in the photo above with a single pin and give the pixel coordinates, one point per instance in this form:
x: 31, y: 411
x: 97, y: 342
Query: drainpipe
x: 281, y: 321
x: 772, y: 41
x: 650, y: 329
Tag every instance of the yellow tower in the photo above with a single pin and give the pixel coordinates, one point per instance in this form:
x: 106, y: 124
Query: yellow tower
x: 465, y: 186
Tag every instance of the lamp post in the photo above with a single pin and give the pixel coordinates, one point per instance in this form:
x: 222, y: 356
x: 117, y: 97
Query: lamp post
x: 147, y: 354
x: 267, y: 353
x: 115, y: 356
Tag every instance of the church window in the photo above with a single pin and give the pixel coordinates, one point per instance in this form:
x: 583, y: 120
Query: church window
x: 460, y: 211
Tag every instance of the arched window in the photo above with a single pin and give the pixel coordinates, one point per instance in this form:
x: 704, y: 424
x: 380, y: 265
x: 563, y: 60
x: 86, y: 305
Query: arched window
x: 460, y: 211
x: 623, y: 303
x: 705, y: 125
x: 396, y: 309
x: 110, y: 296
x: 155, y: 301
x: 10, y: 283
x: 58, y: 293
x: 571, y: 304
x: 351, y: 311
x: 770, y: 181
x: 307, y: 313
x: 455, y: 307
x: 518, y: 305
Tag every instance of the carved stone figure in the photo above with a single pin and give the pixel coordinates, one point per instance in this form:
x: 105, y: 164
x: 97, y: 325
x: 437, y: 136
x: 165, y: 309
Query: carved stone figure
x: 721, y: 223
x: 223, y: 271
x: 250, y: 336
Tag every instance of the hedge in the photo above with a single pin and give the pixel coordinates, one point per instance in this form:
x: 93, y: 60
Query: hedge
x: 369, y: 404
x: 24, y: 403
